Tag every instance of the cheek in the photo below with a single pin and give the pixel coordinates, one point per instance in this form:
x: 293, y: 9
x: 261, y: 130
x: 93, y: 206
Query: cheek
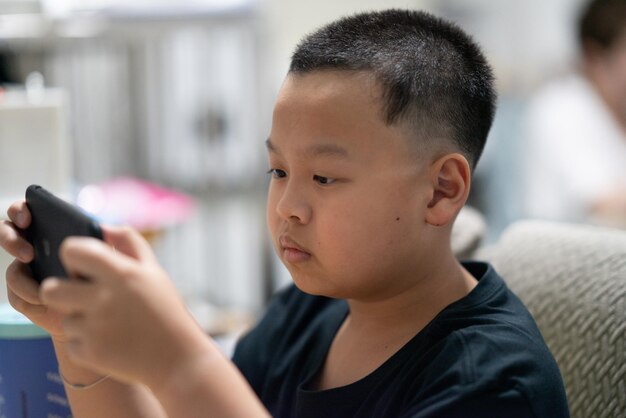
x: 271, y: 217
x: 359, y: 257
x: 365, y: 233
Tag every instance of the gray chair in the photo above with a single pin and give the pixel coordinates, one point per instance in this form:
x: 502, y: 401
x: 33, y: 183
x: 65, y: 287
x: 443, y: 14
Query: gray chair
x: 468, y: 232
x: 572, y: 278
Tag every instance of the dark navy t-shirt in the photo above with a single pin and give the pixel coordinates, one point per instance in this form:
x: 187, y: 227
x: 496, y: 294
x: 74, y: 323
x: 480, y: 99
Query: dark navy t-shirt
x: 482, y: 356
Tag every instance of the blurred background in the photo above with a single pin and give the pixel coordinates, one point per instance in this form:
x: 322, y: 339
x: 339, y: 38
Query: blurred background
x: 179, y: 94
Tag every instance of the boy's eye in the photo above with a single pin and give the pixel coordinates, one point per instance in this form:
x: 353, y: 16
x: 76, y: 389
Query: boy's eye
x: 277, y: 173
x: 323, y: 180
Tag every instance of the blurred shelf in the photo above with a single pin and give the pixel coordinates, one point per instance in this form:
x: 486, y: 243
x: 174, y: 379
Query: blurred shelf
x: 145, y: 18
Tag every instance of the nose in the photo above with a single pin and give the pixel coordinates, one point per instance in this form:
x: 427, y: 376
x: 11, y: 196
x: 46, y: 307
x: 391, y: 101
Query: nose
x: 293, y: 206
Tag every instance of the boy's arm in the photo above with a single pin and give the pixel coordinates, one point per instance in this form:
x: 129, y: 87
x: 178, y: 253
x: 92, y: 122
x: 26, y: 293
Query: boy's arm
x: 209, y: 385
x: 109, y: 398
x: 128, y: 321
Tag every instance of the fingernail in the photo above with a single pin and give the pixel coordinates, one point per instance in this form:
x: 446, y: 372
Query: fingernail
x: 49, y: 281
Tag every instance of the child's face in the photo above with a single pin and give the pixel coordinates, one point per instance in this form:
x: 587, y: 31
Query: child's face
x: 348, y: 193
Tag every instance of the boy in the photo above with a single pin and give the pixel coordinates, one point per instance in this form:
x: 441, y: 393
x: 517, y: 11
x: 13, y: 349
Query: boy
x: 374, y: 134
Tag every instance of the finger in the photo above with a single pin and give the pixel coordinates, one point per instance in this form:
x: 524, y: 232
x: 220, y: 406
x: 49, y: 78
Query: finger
x: 93, y: 259
x: 66, y: 296
x: 128, y: 241
x: 13, y: 242
x: 28, y: 309
x: 73, y: 326
x: 74, y: 346
x: 20, y: 282
x: 23, y: 293
x: 18, y: 212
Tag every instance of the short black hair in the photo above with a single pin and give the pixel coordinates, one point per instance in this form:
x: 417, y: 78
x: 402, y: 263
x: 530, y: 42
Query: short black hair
x: 433, y: 75
x: 602, y: 22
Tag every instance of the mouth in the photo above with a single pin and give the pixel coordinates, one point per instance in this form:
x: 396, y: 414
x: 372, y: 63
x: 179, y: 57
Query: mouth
x: 292, y: 252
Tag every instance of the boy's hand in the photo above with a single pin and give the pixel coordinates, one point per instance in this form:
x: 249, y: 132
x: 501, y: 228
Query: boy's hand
x: 22, y: 289
x: 121, y: 314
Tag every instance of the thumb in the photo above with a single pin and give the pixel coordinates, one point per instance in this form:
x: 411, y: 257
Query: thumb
x: 128, y: 241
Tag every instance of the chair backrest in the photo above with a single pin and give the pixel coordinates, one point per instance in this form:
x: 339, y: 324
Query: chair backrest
x: 468, y: 232
x: 572, y: 278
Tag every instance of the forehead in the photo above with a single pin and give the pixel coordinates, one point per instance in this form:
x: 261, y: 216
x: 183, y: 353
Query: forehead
x: 330, y: 89
x: 333, y: 107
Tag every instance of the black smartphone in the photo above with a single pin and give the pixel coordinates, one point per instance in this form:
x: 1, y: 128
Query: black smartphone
x: 53, y: 219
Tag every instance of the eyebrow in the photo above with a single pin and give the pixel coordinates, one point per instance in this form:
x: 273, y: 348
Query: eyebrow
x: 318, y: 150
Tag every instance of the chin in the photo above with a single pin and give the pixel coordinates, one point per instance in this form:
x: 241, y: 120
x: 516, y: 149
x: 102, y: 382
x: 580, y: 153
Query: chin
x: 307, y: 286
x: 313, y: 285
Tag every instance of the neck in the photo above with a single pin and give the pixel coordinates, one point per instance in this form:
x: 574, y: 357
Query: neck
x: 411, y: 309
x: 394, y: 320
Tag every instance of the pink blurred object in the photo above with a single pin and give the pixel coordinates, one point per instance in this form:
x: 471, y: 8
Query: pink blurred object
x: 140, y: 204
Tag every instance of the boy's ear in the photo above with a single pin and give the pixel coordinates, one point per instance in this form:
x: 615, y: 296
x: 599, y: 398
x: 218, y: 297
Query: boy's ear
x: 450, y: 178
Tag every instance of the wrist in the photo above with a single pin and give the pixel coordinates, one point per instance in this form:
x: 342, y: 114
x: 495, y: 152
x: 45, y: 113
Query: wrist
x: 82, y: 386
x: 72, y: 374
x: 208, y: 384
x: 184, y: 373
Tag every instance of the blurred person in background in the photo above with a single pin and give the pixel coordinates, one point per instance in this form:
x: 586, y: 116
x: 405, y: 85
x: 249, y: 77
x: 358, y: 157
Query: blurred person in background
x: 576, y: 128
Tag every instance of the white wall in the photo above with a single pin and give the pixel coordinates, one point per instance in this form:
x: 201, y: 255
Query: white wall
x: 288, y: 21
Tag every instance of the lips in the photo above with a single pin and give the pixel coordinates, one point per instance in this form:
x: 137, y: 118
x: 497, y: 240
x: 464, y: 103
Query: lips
x: 293, y: 252
x: 288, y: 242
